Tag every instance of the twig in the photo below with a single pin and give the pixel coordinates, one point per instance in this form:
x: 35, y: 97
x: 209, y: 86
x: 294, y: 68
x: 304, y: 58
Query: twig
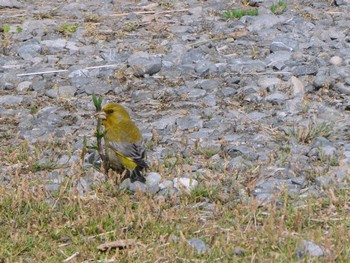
x: 150, y: 12
x: 71, y: 257
x: 103, y: 66
x: 120, y: 244
x: 265, y: 73
x: 64, y: 70
x: 102, y: 234
x: 41, y: 72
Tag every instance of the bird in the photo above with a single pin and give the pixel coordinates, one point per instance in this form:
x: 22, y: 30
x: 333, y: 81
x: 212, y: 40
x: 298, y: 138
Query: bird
x: 124, y: 145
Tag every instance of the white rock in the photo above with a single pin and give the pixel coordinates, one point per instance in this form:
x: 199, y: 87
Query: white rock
x: 185, y: 183
x: 336, y: 60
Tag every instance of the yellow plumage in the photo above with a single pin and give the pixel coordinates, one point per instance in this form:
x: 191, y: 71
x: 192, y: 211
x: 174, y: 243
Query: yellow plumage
x: 123, y: 141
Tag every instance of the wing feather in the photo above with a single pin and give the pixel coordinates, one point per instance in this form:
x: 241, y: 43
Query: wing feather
x: 133, y: 151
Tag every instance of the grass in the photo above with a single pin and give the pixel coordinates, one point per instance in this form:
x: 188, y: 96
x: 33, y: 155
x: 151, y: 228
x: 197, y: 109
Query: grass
x: 40, y: 226
x: 279, y: 8
x: 238, y: 13
x: 33, y: 229
x: 67, y: 29
x: 305, y: 134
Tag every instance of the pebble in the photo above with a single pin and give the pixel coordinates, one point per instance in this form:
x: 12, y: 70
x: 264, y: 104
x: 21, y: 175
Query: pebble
x: 153, y: 179
x: 336, y: 60
x: 199, y: 246
x: 24, y: 86
x: 309, y: 248
x: 144, y: 64
x: 185, y: 183
x: 10, y: 100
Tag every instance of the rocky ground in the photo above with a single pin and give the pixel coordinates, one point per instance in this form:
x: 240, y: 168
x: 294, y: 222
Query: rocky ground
x: 257, y: 106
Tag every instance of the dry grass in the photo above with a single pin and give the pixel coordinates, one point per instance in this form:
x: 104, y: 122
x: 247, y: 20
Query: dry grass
x: 42, y: 226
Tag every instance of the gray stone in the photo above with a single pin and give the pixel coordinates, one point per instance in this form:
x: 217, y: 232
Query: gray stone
x: 264, y: 21
x: 82, y: 187
x: 242, y: 150
x: 305, y: 70
x: 153, y: 179
x: 143, y: 63
x: 278, y: 59
x: 250, y: 89
x: 210, y: 100
x: 276, y: 98
x: 199, y: 246
x: 246, y: 65
x: 308, y: 248
x: 134, y: 187
x: 238, y: 163
x: 29, y: 51
x: 10, y: 4
x: 8, y: 86
x: 324, y: 181
x: 52, y: 187
x: 54, y: 46
x: 166, y: 122
x: 196, y: 11
x: 269, y: 83
x: 280, y: 46
x: 166, y: 184
x: 63, y: 92
x: 24, y: 86
x: 210, y: 85
x: 342, y: 88
x: 196, y: 93
x: 189, y: 122
x: 238, y: 251
x: 10, y: 100
x: 298, y: 89
x: 228, y: 92
x: 203, y: 67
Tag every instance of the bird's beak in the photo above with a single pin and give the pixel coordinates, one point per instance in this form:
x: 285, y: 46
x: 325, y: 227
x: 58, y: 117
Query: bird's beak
x: 101, y: 115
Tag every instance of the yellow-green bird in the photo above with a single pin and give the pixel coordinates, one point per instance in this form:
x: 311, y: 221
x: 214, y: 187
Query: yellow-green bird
x: 123, y: 142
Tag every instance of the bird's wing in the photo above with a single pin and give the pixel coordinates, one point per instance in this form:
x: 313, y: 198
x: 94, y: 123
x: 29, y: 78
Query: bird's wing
x: 134, y: 151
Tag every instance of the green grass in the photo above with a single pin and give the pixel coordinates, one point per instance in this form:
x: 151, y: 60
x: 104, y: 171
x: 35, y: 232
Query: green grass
x: 37, y: 230
x: 305, y: 134
x: 279, y: 8
x: 238, y: 13
x: 68, y: 29
x: 34, y: 230
x: 40, y: 226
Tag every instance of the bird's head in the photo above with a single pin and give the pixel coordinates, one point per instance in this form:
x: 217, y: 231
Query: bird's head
x: 112, y: 113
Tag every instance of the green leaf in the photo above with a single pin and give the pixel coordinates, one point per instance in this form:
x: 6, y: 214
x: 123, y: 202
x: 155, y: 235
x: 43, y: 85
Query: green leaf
x: 97, y: 102
x: 6, y: 28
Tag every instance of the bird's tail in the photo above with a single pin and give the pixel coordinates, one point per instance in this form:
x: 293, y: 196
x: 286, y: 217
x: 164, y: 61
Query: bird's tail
x: 136, y: 175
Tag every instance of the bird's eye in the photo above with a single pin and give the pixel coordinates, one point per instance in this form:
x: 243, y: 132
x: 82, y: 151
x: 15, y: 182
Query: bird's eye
x: 110, y: 111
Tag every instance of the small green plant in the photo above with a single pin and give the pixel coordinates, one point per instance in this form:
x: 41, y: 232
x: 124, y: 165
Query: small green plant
x: 279, y: 7
x: 43, y: 166
x: 131, y: 26
x: 238, y: 13
x: 99, y: 132
x: 6, y: 28
x: 207, y: 152
x: 19, y: 29
x: 5, y: 43
x: 201, y: 192
x: 67, y: 29
x: 306, y: 133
